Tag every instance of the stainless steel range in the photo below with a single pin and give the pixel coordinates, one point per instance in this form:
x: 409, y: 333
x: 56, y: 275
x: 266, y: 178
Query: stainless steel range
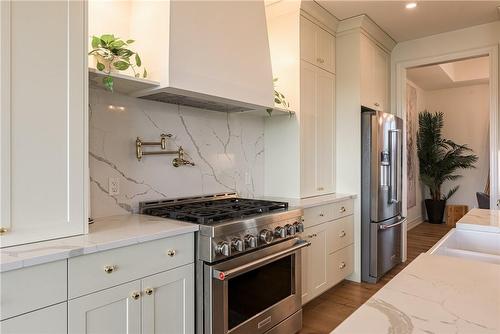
x: 248, y: 277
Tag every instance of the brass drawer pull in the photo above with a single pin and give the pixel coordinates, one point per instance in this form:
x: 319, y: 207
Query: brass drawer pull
x: 342, y: 234
x: 135, y: 295
x: 342, y: 209
x: 320, y: 60
x: 321, y: 214
x: 149, y: 291
x: 342, y: 265
x: 310, y: 236
x: 109, y: 269
x: 3, y: 230
x: 171, y: 252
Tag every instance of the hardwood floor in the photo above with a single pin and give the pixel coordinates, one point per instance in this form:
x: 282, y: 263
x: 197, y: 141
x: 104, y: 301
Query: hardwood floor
x: 327, y: 311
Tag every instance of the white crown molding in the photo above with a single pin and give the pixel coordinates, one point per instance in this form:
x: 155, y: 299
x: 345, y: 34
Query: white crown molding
x: 316, y: 13
x: 370, y: 28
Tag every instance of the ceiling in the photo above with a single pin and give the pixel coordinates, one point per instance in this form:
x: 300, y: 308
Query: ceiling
x: 429, y: 18
x: 449, y: 75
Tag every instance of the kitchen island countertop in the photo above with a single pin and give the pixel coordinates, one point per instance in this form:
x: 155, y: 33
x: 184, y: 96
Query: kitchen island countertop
x: 104, y: 234
x: 480, y: 220
x: 433, y: 294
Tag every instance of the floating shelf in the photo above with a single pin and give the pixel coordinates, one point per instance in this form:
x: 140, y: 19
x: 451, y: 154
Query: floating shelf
x: 124, y: 84
x: 277, y: 112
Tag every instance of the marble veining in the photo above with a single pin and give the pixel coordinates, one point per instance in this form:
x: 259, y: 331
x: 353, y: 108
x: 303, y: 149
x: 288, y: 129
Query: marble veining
x: 434, y: 294
x: 104, y: 234
x: 227, y: 149
x: 480, y: 220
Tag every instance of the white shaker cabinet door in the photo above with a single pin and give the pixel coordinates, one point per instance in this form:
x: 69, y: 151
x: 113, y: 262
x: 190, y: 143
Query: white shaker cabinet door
x: 43, y: 94
x: 112, y: 311
x: 168, y: 302
x: 49, y: 320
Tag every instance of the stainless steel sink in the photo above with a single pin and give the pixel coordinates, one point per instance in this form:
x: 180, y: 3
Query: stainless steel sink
x: 473, y: 245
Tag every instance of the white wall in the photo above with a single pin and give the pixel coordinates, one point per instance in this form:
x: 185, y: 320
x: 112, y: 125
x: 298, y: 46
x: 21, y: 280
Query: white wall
x: 223, y: 146
x: 466, y: 111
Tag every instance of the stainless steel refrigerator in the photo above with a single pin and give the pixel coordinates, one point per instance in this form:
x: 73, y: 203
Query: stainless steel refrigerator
x: 381, y: 190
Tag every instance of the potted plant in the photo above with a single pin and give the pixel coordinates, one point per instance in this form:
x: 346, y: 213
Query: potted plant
x: 113, y: 54
x: 279, y: 99
x: 439, y: 160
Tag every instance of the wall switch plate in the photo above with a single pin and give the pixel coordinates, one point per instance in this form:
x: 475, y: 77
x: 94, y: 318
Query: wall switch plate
x: 113, y: 186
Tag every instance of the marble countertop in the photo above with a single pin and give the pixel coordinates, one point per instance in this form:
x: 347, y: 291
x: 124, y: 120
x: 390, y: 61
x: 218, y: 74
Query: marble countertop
x: 311, y: 201
x: 433, y: 294
x: 480, y: 220
x: 105, y: 233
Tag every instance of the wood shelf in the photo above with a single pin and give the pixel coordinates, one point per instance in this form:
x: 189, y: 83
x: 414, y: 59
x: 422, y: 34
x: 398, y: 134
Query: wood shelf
x: 124, y: 84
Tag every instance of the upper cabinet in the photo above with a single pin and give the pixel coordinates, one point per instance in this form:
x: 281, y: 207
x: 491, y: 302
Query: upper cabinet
x: 43, y: 143
x: 375, y: 64
x: 317, y: 46
x: 300, y: 152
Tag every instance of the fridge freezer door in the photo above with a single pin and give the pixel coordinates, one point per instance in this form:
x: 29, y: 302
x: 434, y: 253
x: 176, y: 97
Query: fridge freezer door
x: 388, y: 245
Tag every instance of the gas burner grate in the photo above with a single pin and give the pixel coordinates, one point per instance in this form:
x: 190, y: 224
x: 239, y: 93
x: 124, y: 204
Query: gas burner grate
x: 213, y: 211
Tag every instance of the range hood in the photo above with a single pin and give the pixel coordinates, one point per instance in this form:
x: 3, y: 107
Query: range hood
x: 217, y: 57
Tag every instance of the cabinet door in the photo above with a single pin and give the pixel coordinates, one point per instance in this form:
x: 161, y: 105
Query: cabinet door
x: 49, y: 320
x: 380, y: 78
x: 325, y: 132
x: 367, y: 72
x: 308, y: 105
x: 307, y: 40
x: 43, y: 120
x: 314, y: 272
x: 111, y: 311
x: 168, y: 303
x: 325, y: 50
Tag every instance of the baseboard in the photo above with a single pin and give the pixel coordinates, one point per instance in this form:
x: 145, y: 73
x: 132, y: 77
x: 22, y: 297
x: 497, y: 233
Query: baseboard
x: 413, y: 223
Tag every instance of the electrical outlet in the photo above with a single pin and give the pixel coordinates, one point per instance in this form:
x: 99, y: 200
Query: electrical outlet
x: 113, y: 186
x: 248, y: 179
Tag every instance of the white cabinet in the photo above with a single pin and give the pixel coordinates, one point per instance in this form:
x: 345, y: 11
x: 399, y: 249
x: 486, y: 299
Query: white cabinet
x: 317, y: 46
x: 113, y: 311
x: 317, y: 127
x: 161, y: 303
x: 168, y: 302
x: 329, y: 258
x: 49, y: 320
x: 43, y: 124
x: 374, y: 75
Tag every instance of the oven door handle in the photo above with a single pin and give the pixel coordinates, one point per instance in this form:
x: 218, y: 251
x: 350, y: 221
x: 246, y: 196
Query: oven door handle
x: 226, y: 274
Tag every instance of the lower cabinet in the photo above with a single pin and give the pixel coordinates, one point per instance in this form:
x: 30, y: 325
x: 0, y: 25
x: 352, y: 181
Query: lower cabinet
x: 49, y: 320
x: 329, y: 258
x: 161, y: 303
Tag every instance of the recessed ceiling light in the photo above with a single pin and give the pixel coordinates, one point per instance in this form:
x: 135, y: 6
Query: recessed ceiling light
x: 411, y: 5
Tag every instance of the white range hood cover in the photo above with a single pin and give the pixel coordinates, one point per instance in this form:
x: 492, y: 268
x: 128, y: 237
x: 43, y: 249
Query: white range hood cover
x: 218, y: 56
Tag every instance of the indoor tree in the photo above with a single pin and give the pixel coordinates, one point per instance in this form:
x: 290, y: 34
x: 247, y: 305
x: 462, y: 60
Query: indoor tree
x: 439, y: 160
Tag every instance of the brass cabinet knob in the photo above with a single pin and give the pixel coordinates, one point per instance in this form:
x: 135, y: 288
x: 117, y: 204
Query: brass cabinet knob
x: 320, y: 60
x: 171, y: 252
x: 321, y: 188
x: 3, y: 230
x: 342, y: 265
x: 321, y: 214
x: 342, y: 234
x: 342, y: 209
x: 109, y: 269
x: 135, y: 295
x: 377, y: 104
x: 149, y: 291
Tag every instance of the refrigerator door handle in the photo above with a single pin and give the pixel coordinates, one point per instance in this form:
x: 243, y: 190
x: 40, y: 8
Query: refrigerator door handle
x: 394, y: 143
x: 385, y: 227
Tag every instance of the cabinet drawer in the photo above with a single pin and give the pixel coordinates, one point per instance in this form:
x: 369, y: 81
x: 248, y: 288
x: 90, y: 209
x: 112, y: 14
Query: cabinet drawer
x: 89, y: 273
x: 340, y: 233
x: 27, y: 289
x: 340, y: 265
x: 49, y: 320
x: 323, y: 213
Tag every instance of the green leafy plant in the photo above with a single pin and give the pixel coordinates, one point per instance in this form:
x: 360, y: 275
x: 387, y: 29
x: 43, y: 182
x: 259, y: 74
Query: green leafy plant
x: 440, y: 158
x: 112, y: 52
x: 279, y: 99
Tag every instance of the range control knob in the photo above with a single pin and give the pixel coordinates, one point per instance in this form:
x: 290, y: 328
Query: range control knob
x: 222, y: 248
x: 266, y: 236
x: 279, y: 232
x: 290, y: 229
x: 299, y: 227
x: 250, y: 241
x: 237, y: 244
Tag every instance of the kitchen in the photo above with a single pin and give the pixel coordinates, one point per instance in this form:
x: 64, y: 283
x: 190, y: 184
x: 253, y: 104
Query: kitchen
x: 182, y: 192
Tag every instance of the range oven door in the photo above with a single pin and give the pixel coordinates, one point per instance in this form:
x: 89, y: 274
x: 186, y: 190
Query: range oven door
x: 254, y: 292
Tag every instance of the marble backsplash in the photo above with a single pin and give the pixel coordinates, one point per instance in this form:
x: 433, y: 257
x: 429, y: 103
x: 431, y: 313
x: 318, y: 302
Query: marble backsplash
x: 227, y: 149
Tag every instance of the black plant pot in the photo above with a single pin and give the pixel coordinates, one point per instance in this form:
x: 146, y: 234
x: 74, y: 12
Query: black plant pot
x: 435, y: 210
